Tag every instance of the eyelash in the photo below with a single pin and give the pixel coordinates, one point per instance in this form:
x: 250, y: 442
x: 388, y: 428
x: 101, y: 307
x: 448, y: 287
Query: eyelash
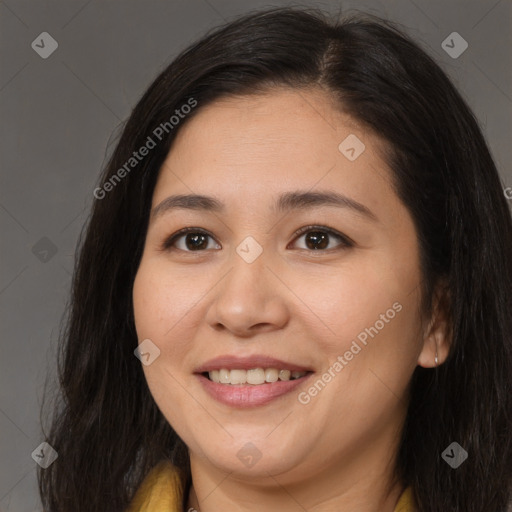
x: 346, y: 242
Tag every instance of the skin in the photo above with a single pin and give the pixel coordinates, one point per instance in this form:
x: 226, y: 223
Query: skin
x: 294, y: 303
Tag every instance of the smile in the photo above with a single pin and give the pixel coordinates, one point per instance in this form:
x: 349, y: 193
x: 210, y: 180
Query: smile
x: 254, y: 376
x: 250, y: 381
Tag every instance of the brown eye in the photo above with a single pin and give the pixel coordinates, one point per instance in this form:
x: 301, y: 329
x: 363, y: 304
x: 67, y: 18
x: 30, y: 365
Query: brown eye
x: 196, y: 241
x: 190, y: 240
x: 318, y: 238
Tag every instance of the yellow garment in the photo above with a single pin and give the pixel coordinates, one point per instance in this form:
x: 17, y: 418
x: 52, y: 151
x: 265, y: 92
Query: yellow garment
x: 162, y: 491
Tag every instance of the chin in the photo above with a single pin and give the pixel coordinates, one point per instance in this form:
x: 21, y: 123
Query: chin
x: 259, y: 458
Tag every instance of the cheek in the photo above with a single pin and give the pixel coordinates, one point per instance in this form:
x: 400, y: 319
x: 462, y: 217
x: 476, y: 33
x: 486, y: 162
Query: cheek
x: 344, y: 302
x: 162, y: 301
x: 366, y: 313
x: 165, y: 310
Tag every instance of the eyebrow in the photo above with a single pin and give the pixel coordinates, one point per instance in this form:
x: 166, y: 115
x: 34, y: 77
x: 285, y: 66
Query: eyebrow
x: 296, y: 200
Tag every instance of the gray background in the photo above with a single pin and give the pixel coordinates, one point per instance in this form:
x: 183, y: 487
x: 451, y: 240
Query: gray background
x: 57, y: 118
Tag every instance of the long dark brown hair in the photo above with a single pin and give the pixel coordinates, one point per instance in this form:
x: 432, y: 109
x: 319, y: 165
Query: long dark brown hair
x: 106, y: 427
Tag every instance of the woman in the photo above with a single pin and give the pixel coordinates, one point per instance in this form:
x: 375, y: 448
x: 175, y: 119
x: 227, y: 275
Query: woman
x: 303, y: 238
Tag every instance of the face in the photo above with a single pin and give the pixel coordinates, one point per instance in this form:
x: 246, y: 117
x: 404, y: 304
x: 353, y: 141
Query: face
x: 299, y: 276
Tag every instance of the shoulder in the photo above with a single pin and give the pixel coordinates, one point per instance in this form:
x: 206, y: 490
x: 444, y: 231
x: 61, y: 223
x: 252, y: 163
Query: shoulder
x: 160, y: 491
x: 406, y: 502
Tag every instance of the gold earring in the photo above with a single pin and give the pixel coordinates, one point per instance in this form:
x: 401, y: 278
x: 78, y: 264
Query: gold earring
x: 436, y: 360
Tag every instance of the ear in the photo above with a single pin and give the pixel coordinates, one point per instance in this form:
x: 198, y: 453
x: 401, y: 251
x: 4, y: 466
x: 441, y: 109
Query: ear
x: 437, y: 335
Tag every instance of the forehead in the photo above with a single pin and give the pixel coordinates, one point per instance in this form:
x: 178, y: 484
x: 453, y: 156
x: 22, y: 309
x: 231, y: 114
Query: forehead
x: 254, y: 145
x: 275, y: 122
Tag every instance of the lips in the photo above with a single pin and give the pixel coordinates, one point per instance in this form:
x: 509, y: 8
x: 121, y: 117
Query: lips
x: 250, y: 381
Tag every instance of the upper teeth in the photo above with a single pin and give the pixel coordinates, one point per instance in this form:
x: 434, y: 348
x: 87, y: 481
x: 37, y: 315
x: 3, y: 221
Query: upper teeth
x: 254, y: 376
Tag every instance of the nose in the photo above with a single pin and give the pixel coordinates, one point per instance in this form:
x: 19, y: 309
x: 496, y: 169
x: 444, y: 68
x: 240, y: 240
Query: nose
x: 249, y: 300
